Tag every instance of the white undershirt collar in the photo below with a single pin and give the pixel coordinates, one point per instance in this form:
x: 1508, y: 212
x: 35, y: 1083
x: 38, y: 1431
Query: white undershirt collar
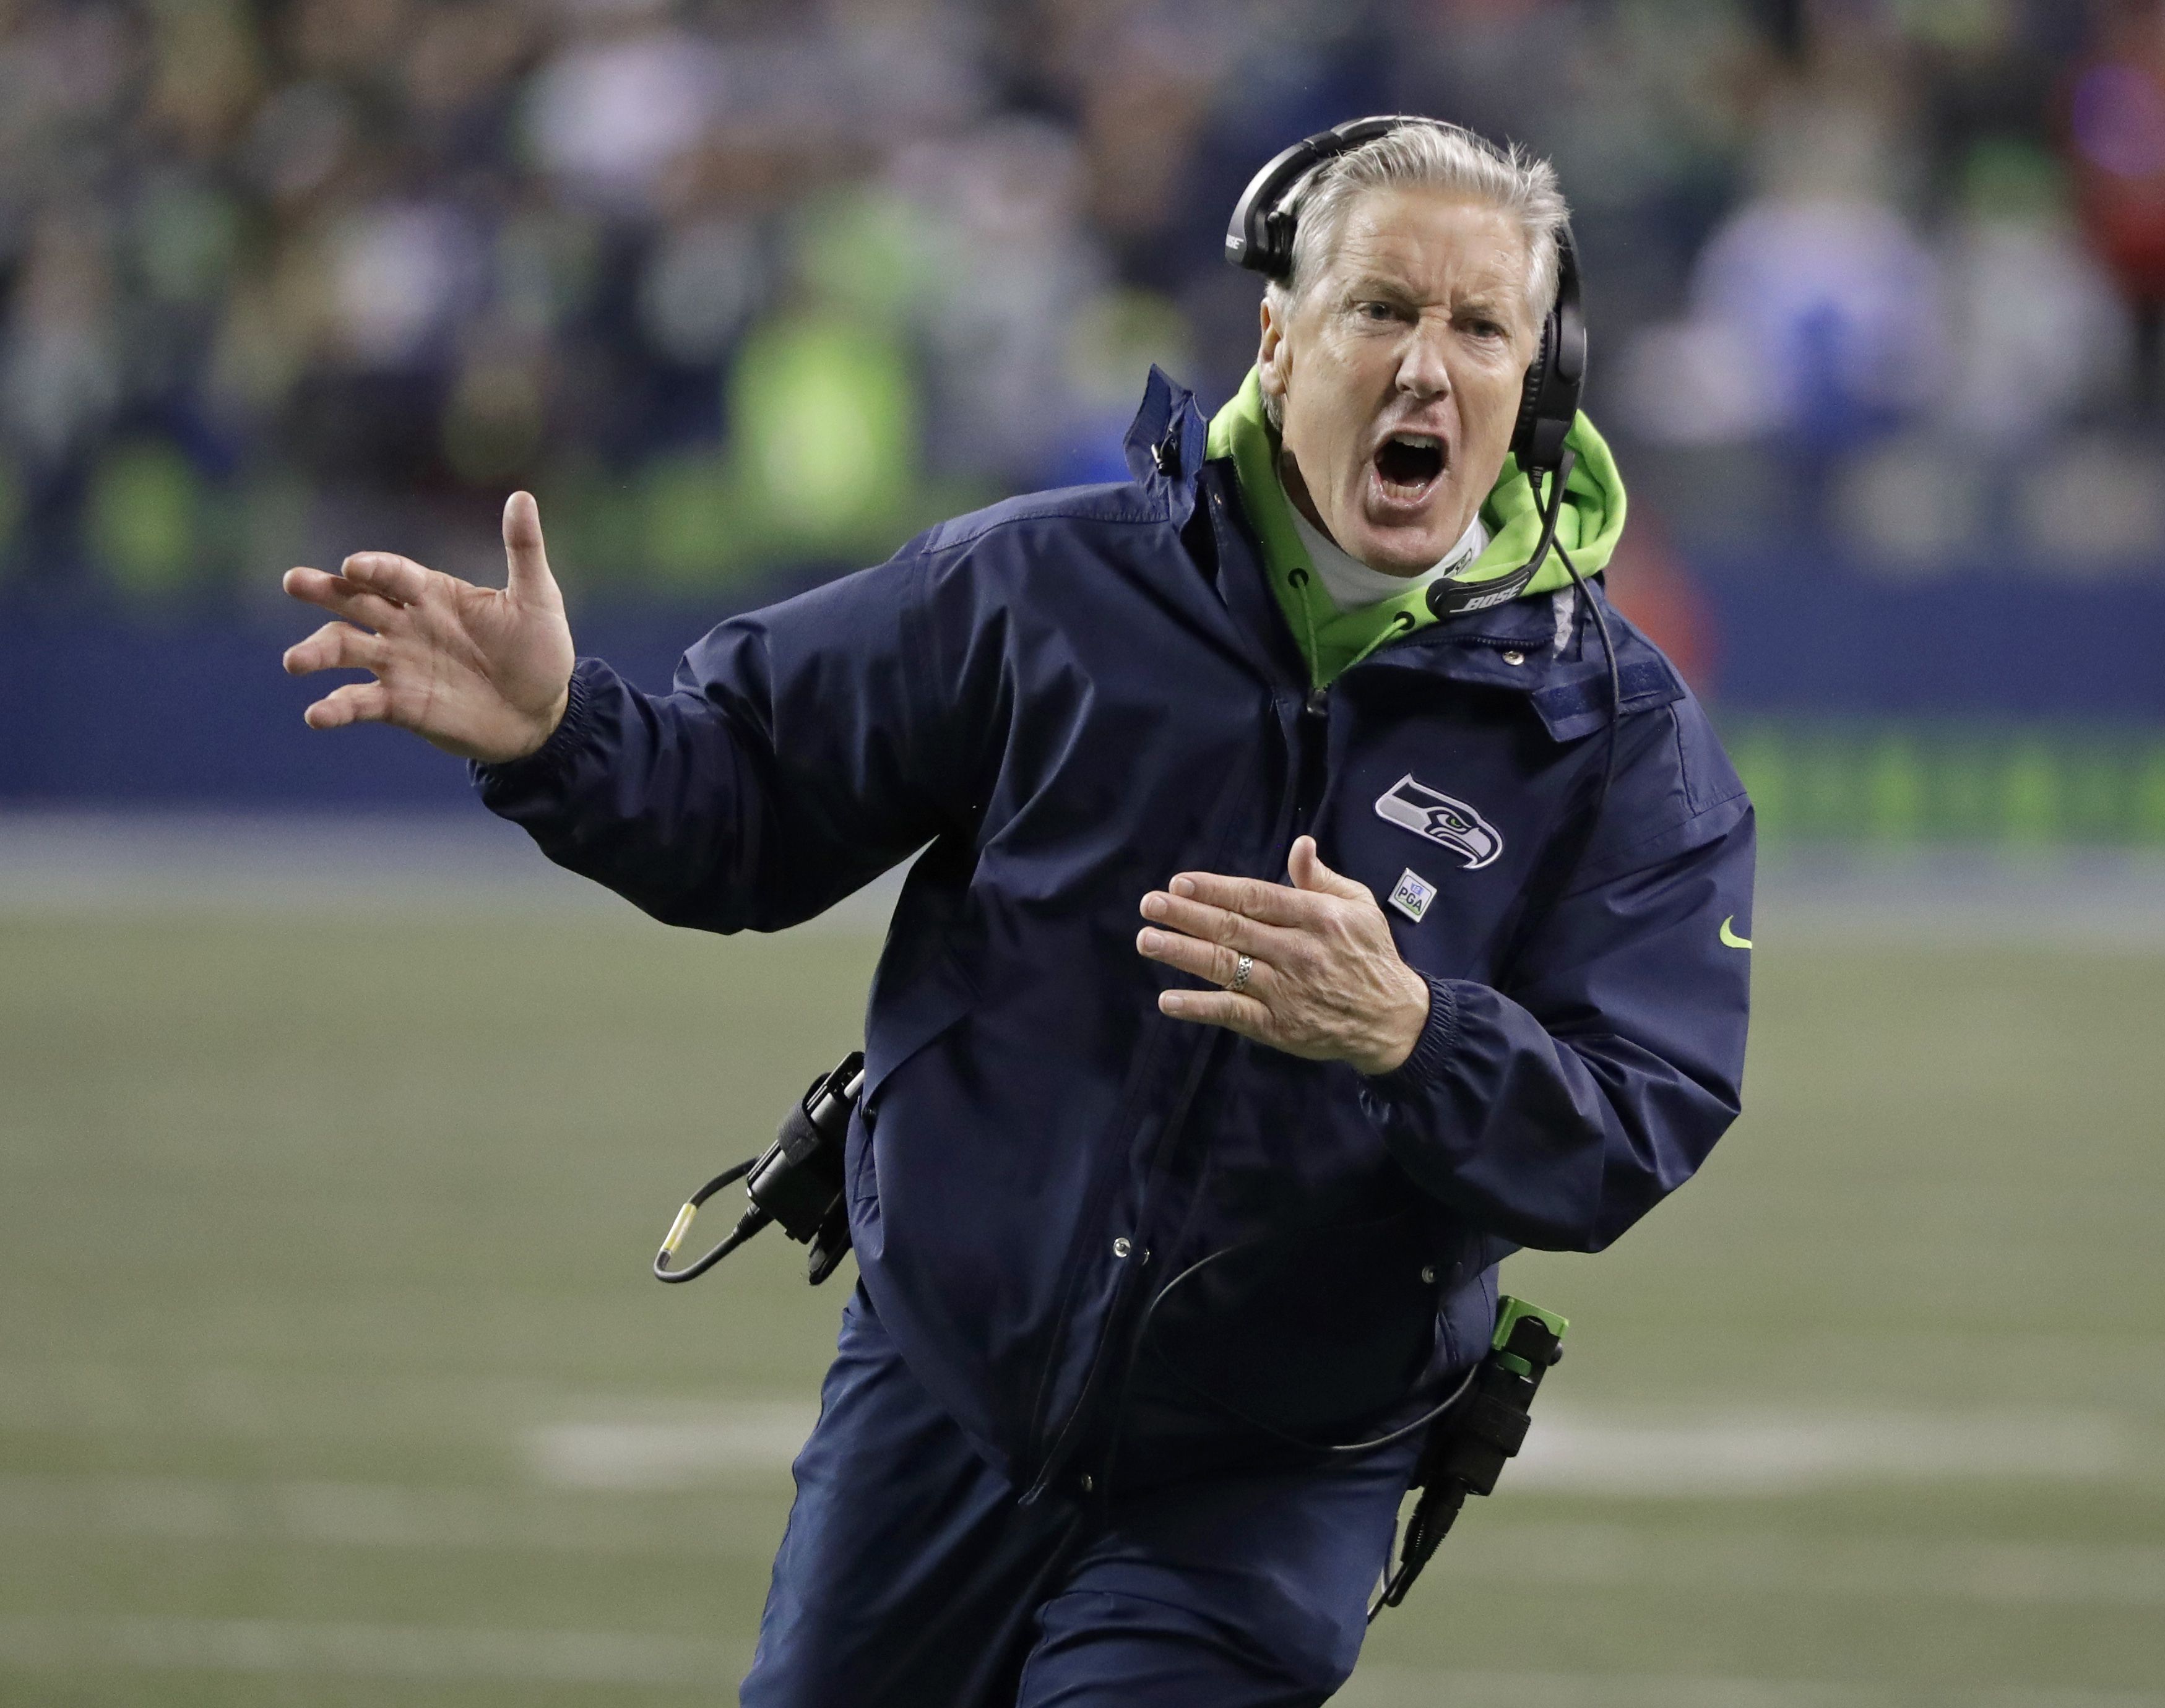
x: 1352, y: 584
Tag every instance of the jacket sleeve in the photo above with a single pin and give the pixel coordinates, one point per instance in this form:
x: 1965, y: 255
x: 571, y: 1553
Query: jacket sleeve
x: 1558, y: 1112
x: 803, y: 750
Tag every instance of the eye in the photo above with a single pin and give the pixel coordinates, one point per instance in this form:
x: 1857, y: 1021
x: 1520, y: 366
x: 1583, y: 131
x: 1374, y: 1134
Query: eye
x: 1486, y: 329
x: 1376, y: 311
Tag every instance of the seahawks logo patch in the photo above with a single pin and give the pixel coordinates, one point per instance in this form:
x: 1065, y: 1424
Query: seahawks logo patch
x: 1430, y: 812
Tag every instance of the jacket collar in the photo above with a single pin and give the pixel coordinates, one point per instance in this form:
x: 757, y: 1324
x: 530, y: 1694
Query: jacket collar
x: 1165, y: 445
x: 1534, y: 645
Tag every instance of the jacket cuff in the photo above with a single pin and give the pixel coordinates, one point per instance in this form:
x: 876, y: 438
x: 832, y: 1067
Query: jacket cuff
x: 548, y: 760
x: 1432, y: 1049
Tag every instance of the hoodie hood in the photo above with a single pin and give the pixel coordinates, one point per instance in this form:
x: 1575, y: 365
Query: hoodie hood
x: 1592, y: 522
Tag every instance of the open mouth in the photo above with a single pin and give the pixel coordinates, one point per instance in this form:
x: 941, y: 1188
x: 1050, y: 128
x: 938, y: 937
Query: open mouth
x: 1409, y: 463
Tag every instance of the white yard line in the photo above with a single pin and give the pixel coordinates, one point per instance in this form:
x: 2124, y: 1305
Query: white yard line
x: 1746, y: 1454
x: 630, y: 1443
x: 753, y: 1437
x: 1783, y: 1452
x: 1496, y: 1544
x: 1876, y: 1568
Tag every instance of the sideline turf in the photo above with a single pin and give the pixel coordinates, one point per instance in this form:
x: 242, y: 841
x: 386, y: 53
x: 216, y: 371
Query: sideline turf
x: 306, y: 1226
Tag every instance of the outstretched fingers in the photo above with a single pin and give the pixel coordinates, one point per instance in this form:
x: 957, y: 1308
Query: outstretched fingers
x: 386, y: 573
x: 336, y: 646
x: 357, y: 702
x: 349, y: 599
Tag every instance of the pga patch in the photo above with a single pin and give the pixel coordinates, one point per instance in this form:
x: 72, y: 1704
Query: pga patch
x: 1431, y: 813
x: 1414, y: 894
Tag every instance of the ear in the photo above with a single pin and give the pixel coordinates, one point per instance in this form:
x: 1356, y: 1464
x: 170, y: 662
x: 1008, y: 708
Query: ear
x: 1272, y: 355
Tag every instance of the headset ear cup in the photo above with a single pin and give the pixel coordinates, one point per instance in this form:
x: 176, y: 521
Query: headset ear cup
x: 1529, y: 396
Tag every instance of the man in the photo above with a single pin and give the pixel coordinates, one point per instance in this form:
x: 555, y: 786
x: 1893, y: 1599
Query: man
x: 1136, y: 1252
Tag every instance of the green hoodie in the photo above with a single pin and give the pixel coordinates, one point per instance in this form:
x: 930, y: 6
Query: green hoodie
x: 1331, y: 639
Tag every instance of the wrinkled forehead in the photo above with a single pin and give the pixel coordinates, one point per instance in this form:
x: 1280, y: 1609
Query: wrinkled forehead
x: 1429, y: 246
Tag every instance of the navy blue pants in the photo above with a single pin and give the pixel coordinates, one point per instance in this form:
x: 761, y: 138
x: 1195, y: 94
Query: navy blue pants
x: 909, y: 1577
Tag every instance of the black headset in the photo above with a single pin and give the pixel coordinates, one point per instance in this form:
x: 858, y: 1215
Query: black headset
x: 1261, y: 238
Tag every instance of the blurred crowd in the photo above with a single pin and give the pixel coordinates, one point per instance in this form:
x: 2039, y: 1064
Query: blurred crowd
x: 739, y: 286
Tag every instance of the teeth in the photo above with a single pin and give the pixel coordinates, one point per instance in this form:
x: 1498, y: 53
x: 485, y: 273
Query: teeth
x: 1419, y: 441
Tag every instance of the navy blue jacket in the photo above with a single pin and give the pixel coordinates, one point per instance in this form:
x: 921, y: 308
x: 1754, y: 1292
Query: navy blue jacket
x: 1066, y: 699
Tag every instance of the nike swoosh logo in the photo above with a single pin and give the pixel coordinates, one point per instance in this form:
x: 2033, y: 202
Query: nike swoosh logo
x: 1729, y: 939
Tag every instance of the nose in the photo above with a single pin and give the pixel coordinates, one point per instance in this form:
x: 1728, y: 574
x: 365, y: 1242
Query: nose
x: 1423, y: 372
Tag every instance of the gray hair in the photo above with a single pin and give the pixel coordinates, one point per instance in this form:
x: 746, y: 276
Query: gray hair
x: 1430, y: 156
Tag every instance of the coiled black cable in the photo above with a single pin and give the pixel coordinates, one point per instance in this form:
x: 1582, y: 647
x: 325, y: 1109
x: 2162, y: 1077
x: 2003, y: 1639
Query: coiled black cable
x: 1340, y: 1449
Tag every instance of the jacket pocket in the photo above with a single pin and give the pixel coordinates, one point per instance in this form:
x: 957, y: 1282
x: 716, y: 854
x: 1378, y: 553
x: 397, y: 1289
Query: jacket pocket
x: 901, y: 1026
x: 1578, y: 705
x: 1311, y: 1332
x: 902, y: 1022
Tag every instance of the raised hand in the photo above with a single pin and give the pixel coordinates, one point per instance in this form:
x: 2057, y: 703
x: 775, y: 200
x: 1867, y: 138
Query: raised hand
x: 481, y: 672
x: 1325, y: 979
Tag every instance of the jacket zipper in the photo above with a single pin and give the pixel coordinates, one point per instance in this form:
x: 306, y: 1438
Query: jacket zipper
x: 1313, y: 759
x: 1308, y: 761
x: 1056, y: 1456
x: 1064, y: 1437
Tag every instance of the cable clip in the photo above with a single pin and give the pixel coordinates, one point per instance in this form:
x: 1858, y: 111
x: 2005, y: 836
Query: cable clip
x: 797, y: 1180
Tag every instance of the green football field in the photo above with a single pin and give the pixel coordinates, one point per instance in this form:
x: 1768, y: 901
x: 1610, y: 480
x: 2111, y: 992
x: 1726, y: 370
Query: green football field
x: 331, y: 1372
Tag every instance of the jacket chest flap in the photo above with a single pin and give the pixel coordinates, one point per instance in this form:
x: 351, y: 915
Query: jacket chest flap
x: 1449, y: 780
